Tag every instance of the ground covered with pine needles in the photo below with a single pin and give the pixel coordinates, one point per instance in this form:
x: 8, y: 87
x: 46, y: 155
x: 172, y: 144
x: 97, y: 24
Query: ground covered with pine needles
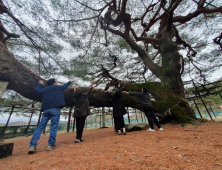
x: 186, y: 148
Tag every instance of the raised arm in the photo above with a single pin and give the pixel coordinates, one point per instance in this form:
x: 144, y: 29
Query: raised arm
x: 135, y: 94
x: 91, y: 88
x: 39, y: 88
x: 74, y: 89
x: 66, y: 85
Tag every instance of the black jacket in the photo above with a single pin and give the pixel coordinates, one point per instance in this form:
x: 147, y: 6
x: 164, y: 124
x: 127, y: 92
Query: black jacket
x: 144, y: 98
x: 82, y: 105
x: 118, y: 106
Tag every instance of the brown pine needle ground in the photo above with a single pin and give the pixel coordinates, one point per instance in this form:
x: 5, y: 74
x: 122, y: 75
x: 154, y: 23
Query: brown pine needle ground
x: 189, y: 148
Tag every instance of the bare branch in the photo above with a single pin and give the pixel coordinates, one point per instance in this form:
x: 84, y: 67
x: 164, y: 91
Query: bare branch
x: 123, y: 9
x: 218, y: 41
x: 108, y: 28
x: 77, y: 20
x: 153, y: 19
x: 174, y: 6
x: 145, y: 39
x: 156, y: 55
x: 101, y: 9
x: 184, y: 19
x: 182, y: 66
x: 180, y: 41
x: 148, y: 9
x: 149, y: 40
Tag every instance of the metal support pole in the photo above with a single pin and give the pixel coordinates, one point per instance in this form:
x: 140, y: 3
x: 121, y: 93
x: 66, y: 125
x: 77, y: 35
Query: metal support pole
x: 141, y: 115
x: 40, y: 114
x: 74, y: 125
x: 27, y: 129
x: 103, y: 117
x: 3, y: 133
x: 44, y: 130
x: 212, y: 110
x: 202, y: 100
x: 197, y: 108
x: 86, y: 123
x: 100, y: 120
x: 136, y: 116
x: 71, y: 122
x: 70, y: 111
x: 128, y: 114
x: 220, y: 96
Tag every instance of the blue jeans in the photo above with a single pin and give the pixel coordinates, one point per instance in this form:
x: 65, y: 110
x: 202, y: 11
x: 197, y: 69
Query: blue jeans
x: 54, y: 115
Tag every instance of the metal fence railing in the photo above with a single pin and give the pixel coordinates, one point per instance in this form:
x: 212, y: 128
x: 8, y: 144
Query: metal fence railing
x: 213, y: 114
x: 18, y: 131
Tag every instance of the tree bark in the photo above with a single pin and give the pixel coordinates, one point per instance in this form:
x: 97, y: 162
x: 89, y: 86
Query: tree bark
x: 170, y: 71
x: 23, y: 81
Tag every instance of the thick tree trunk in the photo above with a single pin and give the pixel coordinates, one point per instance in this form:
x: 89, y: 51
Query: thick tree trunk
x: 171, y: 89
x: 23, y: 81
x: 170, y: 71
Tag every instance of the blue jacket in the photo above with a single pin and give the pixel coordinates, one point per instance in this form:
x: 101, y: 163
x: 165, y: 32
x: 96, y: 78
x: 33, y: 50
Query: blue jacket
x: 52, y: 96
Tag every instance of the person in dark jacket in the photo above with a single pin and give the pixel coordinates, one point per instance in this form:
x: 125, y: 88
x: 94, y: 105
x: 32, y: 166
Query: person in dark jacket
x: 146, y: 104
x: 81, y: 111
x: 118, y: 110
x: 52, y: 102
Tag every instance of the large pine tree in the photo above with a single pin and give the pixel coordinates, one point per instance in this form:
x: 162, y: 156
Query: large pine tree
x: 137, y: 42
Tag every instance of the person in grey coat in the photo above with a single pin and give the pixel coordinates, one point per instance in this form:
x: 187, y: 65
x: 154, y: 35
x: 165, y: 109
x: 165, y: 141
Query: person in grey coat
x: 146, y: 104
x: 81, y: 111
x: 118, y: 110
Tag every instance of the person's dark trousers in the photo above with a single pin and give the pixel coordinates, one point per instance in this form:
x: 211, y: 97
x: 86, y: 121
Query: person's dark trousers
x: 119, y: 122
x: 80, y: 123
x: 150, y: 115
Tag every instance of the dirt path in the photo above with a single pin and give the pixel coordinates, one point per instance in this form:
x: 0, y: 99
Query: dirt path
x: 176, y: 148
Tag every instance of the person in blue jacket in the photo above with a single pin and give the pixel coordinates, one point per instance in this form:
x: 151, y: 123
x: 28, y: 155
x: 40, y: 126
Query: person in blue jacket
x: 52, y: 102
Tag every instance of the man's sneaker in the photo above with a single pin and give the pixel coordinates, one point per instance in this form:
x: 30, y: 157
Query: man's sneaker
x: 161, y: 128
x: 51, y: 147
x: 151, y: 130
x: 81, y: 140
x: 32, y: 150
x: 77, y: 141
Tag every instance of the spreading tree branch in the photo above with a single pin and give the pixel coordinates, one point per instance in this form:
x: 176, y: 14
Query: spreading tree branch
x: 200, y: 10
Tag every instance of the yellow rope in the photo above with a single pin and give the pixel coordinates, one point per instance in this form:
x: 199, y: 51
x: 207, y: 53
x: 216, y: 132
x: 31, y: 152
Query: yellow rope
x: 172, y: 108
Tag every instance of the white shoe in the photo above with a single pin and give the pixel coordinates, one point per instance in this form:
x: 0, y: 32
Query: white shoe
x: 151, y: 130
x: 161, y: 128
